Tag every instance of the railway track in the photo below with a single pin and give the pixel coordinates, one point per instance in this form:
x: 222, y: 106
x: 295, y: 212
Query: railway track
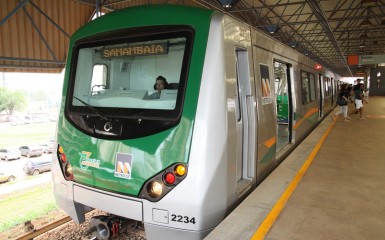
x: 66, y: 229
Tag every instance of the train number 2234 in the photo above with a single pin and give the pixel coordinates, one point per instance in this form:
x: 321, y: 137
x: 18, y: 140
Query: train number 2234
x: 182, y: 219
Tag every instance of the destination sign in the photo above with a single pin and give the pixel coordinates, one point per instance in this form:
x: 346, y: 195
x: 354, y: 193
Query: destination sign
x: 137, y: 50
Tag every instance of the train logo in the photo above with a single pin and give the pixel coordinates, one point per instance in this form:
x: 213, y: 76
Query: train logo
x: 123, y: 165
x: 86, y: 161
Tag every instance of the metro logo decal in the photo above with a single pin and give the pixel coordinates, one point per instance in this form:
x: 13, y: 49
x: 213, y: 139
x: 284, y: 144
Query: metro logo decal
x: 86, y: 161
x: 123, y: 165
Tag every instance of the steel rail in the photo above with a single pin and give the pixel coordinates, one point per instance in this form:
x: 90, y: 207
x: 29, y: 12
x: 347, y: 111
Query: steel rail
x: 44, y: 229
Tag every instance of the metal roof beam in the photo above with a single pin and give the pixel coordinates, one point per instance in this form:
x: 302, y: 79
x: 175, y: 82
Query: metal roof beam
x: 318, y: 12
x: 40, y: 34
x: 50, y: 19
x: 22, y: 4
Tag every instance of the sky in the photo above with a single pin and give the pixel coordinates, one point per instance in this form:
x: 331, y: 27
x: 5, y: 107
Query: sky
x: 49, y: 82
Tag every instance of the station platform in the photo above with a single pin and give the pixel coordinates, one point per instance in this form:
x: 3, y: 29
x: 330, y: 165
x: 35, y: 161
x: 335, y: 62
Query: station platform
x: 332, y: 186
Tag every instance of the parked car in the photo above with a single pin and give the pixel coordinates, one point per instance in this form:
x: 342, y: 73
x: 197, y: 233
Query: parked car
x: 6, y: 177
x: 31, y: 151
x: 47, y: 147
x: 37, y: 166
x: 10, y: 153
x: 17, y: 121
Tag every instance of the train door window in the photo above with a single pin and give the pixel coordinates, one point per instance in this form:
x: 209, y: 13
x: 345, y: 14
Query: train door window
x: 99, y: 78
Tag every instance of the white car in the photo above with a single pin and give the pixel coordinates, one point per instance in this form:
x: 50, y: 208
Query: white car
x: 31, y: 151
x: 47, y: 147
x: 10, y: 153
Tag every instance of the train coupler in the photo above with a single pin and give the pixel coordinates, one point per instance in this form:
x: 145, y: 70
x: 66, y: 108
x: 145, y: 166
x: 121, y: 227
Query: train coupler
x: 105, y: 227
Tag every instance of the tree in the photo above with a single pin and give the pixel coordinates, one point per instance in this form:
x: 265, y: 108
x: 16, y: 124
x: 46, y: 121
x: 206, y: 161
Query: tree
x: 11, y: 101
x: 3, y: 99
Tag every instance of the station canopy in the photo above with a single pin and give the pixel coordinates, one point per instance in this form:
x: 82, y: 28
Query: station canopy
x: 34, y: 34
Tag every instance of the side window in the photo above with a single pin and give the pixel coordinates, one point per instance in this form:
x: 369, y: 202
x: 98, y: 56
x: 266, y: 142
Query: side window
x: 308, y: 87
x: 312, y: 87
x: 305, y: 87
x: 99, y: 78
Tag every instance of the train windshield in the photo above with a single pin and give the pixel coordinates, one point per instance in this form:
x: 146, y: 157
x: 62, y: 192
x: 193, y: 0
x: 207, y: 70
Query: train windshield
x: 124, y: 75
x: 130, y: 75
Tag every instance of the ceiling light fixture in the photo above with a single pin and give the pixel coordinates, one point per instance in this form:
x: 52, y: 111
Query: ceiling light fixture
x: 227, y: 4
x: 293, y: 44
x: 272, y: 28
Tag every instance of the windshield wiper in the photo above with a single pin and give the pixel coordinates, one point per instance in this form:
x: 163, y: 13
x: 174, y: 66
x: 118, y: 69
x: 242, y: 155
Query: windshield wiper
x: 92, y: 108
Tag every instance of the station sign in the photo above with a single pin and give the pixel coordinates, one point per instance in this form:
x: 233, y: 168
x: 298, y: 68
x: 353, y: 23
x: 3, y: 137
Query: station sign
x: 366, y: 59
x: 371, y: 59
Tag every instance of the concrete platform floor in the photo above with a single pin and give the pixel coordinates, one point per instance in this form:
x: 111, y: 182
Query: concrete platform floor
x: 341, y: 196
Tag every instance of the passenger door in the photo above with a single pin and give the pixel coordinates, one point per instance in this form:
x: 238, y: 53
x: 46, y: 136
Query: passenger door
x: 245, y: 124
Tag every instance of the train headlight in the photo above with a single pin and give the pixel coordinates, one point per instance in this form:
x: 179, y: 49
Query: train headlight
x: 180, y: 170
x: 68, y: 171
x: 155, y: 189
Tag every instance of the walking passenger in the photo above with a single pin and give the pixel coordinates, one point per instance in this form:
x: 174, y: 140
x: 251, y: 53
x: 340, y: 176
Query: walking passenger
x: 359, y: 101
x: 342, y: 102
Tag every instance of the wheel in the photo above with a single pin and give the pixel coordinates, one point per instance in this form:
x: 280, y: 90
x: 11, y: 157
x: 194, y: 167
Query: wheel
x: 11, y: 178
x: 36, y: 172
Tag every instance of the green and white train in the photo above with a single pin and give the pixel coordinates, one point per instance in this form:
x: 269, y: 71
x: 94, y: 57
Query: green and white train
x: 237, y: 102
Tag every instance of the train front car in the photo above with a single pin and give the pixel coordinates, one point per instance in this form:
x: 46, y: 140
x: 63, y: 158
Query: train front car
x: 124, y: 144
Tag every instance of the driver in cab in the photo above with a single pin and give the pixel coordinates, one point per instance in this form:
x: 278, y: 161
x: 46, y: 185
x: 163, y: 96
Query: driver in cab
x: 160, y: 84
